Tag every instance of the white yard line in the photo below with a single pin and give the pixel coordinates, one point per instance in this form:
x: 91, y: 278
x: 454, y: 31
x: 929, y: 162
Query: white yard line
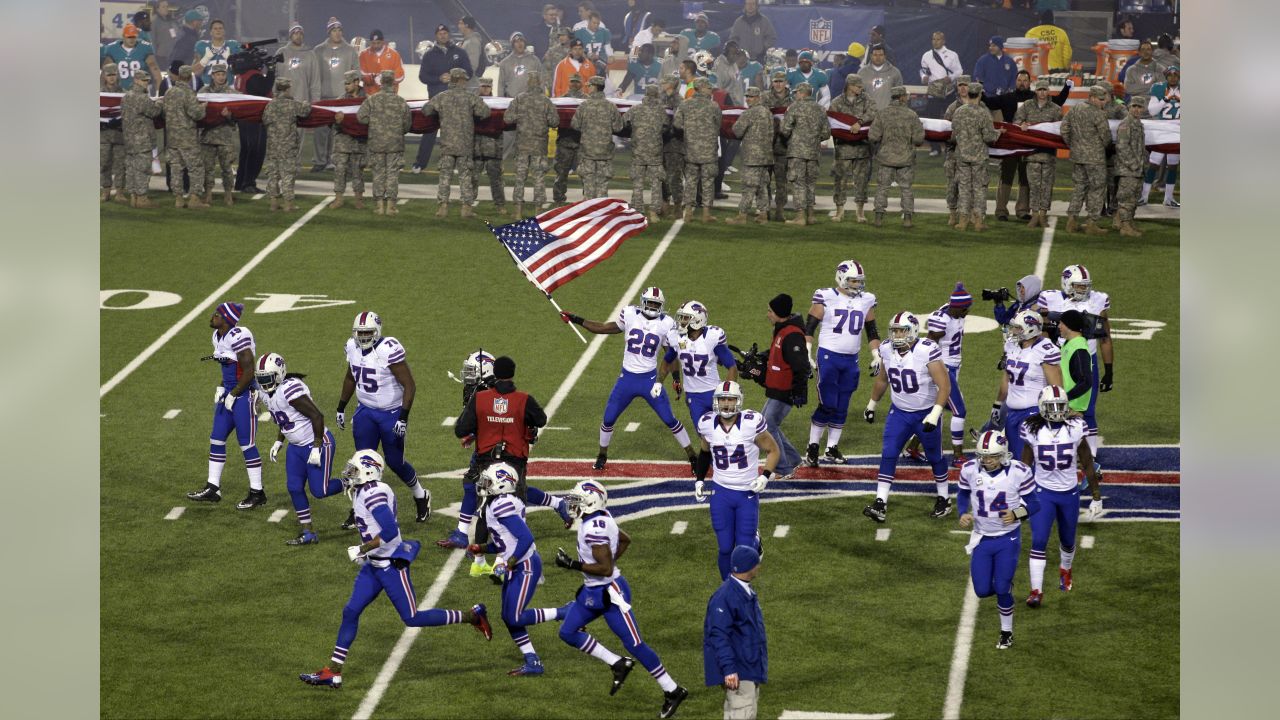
x: 781, y: 531
x: 678, y: 527
x: 631, y: 427
x: 960, y: 658
x: 172, y: 414
x: 213, y: 299
x: 882, y: 534
x: 1046, y: 244
x: 278, y: 515
x: 814, y: 715
x: 1086, y: 542
x: 175, y: 513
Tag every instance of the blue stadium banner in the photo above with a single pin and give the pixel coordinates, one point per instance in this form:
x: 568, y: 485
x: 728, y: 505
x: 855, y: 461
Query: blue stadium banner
x: 824, y: 30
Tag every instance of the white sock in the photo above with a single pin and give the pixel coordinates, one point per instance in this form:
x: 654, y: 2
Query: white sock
x: 418, y: 491
x: 606, y: 436
x: 665, y: 682
x: 464, y: 526
x: 942, y: 488
x: 215, y: 473
x: 1006, y: 619
x: 604, y: 654
x: 1066, y: 558
x: 833, y: 436
x: 479, y: 559
x: 882, y: 490
x: 1146, y: 190
x: 255, y: 478
x: 815, y: 433
x: 1168, y: 192
x: 526, y: 646
x: 957, y: 430
x: 682, y: 437
x: 1037, y: 575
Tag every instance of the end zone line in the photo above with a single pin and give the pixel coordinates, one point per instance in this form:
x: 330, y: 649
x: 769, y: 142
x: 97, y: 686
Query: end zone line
x: 1046, y: 244
x: 960, y: 658
x: 210, y: 301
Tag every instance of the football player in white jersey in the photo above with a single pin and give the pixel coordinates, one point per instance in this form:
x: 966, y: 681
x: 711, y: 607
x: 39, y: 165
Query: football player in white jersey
x: 510, y: 538
x: 1078, y: 294
x: 844, y: 313
x: 913, y: 368
x: 1031, y: 361
x: 1055, y: 446
x: 234, y: 407
x: 732, y: 439
x: 648, y: 330
x: 946, y: 327
x: 309, y: 459
x: 696, y: 350
x: 384, y: 388
x: 384, y: 557
x: 995, y: 495
x: 605, y: 591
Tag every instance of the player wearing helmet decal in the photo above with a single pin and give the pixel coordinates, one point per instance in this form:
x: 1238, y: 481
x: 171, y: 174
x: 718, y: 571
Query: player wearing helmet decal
x: 695, y: 356
x: 1031, y: 361
x: 1078, y: 294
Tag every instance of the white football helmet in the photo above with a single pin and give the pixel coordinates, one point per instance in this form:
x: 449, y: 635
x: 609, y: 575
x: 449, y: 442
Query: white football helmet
x: 269, y: 372
x: 1025, y: 326
x: 425, y: 47
x: 586, y: 498
x: 691, y: 316
x: 775, y: 58
x: 478, y: 367
x: 904, y: 330
x: 992, y: 450
x: 497, y: 479
x: 1053, y: 404
x: 367, y: 329
x: 651, y: 302
x: 727, y: 399
x: 850, y: 279
x: 1076, y: 282
x: 496, y: 50
x: 363, y: 468
x: 703, y: 59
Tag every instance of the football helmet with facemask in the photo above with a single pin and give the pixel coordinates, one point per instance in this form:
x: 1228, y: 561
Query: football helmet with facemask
x: 1024, y: 326
x: 691, y: 316
x: 367, y: 329
x: 363, y: 468
x: 850, y: 278
x: 727, y: 399
x: 1076, y: 282
x: 497, y: 479
x: 992, y: 450
x: 904, y: 330
x: 269, y: 372
x: 651, y: 302
x: 1053, y: 404
x: 586, y: 498
x: 477, y: 368
x: 703, y: 59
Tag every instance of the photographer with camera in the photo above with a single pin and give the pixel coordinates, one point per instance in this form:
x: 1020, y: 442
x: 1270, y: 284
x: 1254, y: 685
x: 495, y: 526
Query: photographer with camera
x: 1028, y: 294
x: 254, y: 71
x: 784, y: 375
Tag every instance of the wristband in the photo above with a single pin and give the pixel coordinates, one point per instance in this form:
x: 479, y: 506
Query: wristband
x: 996, y: 406
x: 1107, y: 367
x: 577, y: 320
x: 404, y: 414
x: 342, y: 405
x: 767, y: 473
x: 1020, y: 513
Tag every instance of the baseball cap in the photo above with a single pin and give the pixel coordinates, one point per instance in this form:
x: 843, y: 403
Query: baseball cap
x: 388, y: 76
x: 596, y: 81
x: 901, y: 91
x: 806, y: 55
x: 853, y: 81
x: 283, y: 82
x: 1097, y: 91
x: 963, y: 80
x: 351, y: 75
x: 1042, y: 85
x: 443, y: 27
x: 192, y: 15
x: 751, y: 91
x: 458, y: 74
x: 376, y: 35
x: 975, y: 88
x: 217, y: 68
x: 575, y: 77
x: 130, y: 30
x: 1137, y: 101
x: 779, y: 75
x: 111, y: 68
x: 806, y: 87
x: 484, y: 81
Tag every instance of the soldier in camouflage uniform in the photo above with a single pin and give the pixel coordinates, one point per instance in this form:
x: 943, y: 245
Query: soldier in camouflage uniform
x: 1131, y: 163
x: 898, y: 131
x: 488, y: 160
x: 218, y: 142
x: 1041, y: 166
x: 672, y: 152
x: 1114, y: 109
x: 534, y: 114
x: 137, y: 115
x: 568, y: 141
x: 280, y: 118
x: 949, y: 157
x: 1086, y: 132
x: 852, y: 159
x: 111, y: 142
x: 754, y: 129
x: 699, y: 118
x: 971, y: 130
x: 387, y: 115
x: 348, y: 150
x: 558, y: 51
x: 778, y: 96
x: 182, y: 139
x: 805, y: 126
x: 648, y: 122
x: 597, y: 119
x: 458, y: 109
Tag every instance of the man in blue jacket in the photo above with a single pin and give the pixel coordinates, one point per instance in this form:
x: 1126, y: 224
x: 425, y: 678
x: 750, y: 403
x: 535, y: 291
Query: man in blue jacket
x: 433, y: 72
x: 997, y: 72
x: 735, y: 652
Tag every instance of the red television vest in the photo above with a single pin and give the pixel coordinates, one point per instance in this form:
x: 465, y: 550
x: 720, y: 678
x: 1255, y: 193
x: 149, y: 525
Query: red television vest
x: 778, y: 375
x: 500, y: 418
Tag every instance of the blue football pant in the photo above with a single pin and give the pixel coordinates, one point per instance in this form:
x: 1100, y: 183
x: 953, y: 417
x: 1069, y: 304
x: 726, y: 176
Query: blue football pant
x: 838, y: 376
x: 628, y: 387
x: 299, y: 476
x: 699, y: 404
x: 369, y: 427
x: 242, y: 419
x: 735, y: 518
x: 1013, y: 420
x: 397, y: 583
x: 623, y: 624
x: 518, y: 587
x: 992, y: 567
x: 899, y: 426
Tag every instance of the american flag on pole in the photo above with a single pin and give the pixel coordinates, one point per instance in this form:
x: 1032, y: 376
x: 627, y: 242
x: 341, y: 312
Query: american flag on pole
x: 563, y: 243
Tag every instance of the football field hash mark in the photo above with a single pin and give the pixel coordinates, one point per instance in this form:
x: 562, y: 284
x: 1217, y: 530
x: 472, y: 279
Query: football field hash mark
x: 449, y: 421
x: 678, y: 527
x: 960, y: 532
x: 175, y: 513
x: 278, y: 515
x: 882, y: 534
x: 781, y: 531
x: 1086, y: 542
x: 172, y: 414
x: 631, y: 427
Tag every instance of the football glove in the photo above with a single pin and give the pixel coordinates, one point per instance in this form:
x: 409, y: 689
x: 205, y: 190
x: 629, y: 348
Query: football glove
x: 275, y: 449
x: 229, y: 401
x: 870, y: 413
x: 342, y: 420
x: 677, y: 387
x: 563, y: 560
x: 314, y: 457
x: 1104, y: 383
x: 354, y: 555
x: 874, y: 368
x: 758, y: 485
x: 699, y: 491
x: 997, y: 414
x: 1095, y: 510
x: 400, y: 428
x: 656, y: 390
x: 931, y: 420
x: 218, y: 394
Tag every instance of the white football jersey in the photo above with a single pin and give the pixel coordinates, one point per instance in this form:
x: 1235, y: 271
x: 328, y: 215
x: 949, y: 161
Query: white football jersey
x: 644, y: 339
x: 842, y: 319
x: 228, y: 347
x: 995, y: 492
x: 952, y: 330
x: 368, y: 497
x: 1023, y: 366
x: 908, y: 374
x: 598, y: 529
x: 698, y: 363
x: 1053, y: 449
x: 500, y: 507
x: 1055, y: 301
x: 735, y: 457
x: 295, y: 426
x: 376, y: 387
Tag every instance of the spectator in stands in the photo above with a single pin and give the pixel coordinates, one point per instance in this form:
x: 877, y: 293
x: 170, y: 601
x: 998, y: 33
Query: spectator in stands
x: 1124, y: 30
x: 576, y: 64
x: 184, y: 48
x: 597, y: 43
x: 434, y: 73
x: 473, y: 45
x: 378, y: 57
x: 753, y: 32
x: 1141, y: 73
x: 1165, y: 53
x: 850, y: 66
x: 647, y: 36
x: 166, y: 26
x: 213, y: 51
x: 876, y: 37
x: 633, y: 22
x: 879, y: 77
x: 1059, y: 43
x: 551, y: 15
x: 939, y: 68
x: 676, y: 54
x: 584, y: 16
x: 997, y: 72
x: 335, y: 56
x: 700, y: 36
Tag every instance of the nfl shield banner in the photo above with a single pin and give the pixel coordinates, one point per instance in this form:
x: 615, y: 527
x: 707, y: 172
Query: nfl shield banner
x: 823, y: 29
x: 820, y: 31
x: 500, y: 406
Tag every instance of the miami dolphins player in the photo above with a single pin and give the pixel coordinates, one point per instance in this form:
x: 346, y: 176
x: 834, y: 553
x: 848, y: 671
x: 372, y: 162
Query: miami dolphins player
x: 647, y: 330
x: 379, y: 375
x: 995, y: 495
x: 700, y: 348
x: 732, y: 439
x: 844, y: 312
x: 1077, y: 293
x: 130, y: 54
x: 1031, y: 362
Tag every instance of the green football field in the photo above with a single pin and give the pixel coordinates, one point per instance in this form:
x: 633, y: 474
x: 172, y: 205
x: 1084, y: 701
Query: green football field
x: 211, y: 615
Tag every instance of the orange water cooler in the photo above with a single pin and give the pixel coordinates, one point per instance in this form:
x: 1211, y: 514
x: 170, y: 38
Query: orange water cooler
x: 1112, y: 56
x: 1030, y: 54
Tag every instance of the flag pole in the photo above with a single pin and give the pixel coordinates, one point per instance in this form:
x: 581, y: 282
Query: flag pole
x: 529, y: 276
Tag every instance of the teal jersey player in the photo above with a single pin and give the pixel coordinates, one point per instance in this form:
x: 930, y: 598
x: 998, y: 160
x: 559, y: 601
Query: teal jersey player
x: 128, y: 60
x: 709, y: 42
x: 208, y: 55
x: 644, y: 75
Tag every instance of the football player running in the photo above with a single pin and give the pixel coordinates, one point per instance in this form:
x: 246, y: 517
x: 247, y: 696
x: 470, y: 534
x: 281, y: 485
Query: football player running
x: 699, y: 348
x: 234, y: 407
x: 913, y: 368
x: 946, y: 327
x: 995, y: 495
x: 605, y: 592
x: 732, y: 439
x: 309, y: 458
x: 384, y: 388
x: 1031, y: 362
x: 384, y: 557
x: 1055, y: 445
x: 844, y: 313
x: 647, y: 330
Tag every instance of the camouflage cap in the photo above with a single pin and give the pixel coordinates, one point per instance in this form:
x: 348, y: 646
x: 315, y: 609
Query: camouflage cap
x: 1042, y: 85
x: 670, y: 81
x: 458, y: 74
x: 853, y: 81
x: 596, y: 81
x: 283, y: 83
x: 653, y: 91
x: 975, y: 88
x: 780, y: 75
x: 184, y: 71
x: 388, y: 77
x: 753, y: 92
x: 898, y: 91
x: 962, y: 80
x: 111, y: 69
x: 575, y: 77
x: 1137, y: 101
x: 563, y: 31
x: 351, y: 76
x: 1098, y: 91
x: 217, y: 68
x: 803, y: 87
x: 484, y: 81
x: 702, y: 84
x: 142, y: 75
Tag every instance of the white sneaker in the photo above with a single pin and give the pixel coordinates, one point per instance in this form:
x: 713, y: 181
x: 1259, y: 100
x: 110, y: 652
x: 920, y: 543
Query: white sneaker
x: 155, y: 167
x: 724, y: 187
x: 730, y: 170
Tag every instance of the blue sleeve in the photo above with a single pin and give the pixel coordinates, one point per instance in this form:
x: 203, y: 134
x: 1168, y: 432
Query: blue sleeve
x: 670, y: 355
x: 1002, y: 314
x: 725, y: 356
x: 524, y: 538
x: 962, y: 501
x: 719, y: 625
x: 1031, y: 502
x: 387, y: 521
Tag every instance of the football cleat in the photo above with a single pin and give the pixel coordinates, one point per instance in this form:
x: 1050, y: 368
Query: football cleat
x: 875, y: 510
x: 562, y: 509
x: 1064, y: 580
x: 621, y: 670
x: 941, y: 507
x: 252, y: 500
x: 306, y: 537
x: 350, y: 522
x: 811, y: 455
x: 1172, y: 204
x: 424, y: 507
x: 833, y: 455
x: 210, y: 493
x: 958, y: 460
x: 481, y: 569
x: 601, y: 460
x: 532, y: 666
x: 1006, y: 640
x: 481, y: 621
x: 914, y: 453
x: 456, y: 539
x: 1034, y: 599
x: 671, y: 701
x: 324, y: 677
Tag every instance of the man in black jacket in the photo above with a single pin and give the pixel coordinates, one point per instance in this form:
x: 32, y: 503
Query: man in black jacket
x: 1013, y: 165
x: 785, y: 377
x: 434, y: 73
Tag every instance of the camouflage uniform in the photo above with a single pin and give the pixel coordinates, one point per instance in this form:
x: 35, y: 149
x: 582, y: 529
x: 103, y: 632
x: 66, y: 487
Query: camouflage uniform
x: 1086, y: 132
x: 182, y: 140
x: 648, y: 122
x: 773, y: 101
x: 1131, y: 162
x: 852, y: 159
x: 555, y: 53
x: 458, y: 109
x: 534, y: 114
x: 218, y: 144
x: 754, y: 128
x: 280, y: 117
x: 137, y: 114
x: 349, y: 151
x: 805, y: 126
x: 1041, y: 166
x: 387, y: 115
x: 111, y: 142
x: 487, y: 155
x: 949, y: 156
x: 597, y: 120
x: 699, y: 118
x: 672, y: 148
x: 971, y: 130
x: 898, y: 130
x: 568, y: 141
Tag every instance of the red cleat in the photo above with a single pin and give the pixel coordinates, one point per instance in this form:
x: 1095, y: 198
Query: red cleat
x: 325, y: 677
x: 915, y: 454
x: 959, y: 460
x: 481, y: 621
x: 1064, y: 580
x: 1033, y: 600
